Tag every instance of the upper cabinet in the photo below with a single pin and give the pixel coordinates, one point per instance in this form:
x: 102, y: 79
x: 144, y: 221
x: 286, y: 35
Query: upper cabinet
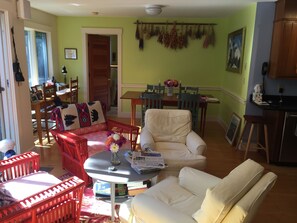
x: 283, y: 56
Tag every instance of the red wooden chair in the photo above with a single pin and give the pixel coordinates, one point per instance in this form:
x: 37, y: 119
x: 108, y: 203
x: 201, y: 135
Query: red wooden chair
x: 36, y: 196
x: 82, y: 131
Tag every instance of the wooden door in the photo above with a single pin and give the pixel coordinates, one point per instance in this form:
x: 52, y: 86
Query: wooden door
x: 99, y: 68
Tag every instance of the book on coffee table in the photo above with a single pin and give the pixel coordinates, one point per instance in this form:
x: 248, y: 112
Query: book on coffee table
x: 102, y: 190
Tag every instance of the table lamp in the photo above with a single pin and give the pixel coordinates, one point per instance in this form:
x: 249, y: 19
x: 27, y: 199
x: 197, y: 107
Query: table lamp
x: 64, y: 72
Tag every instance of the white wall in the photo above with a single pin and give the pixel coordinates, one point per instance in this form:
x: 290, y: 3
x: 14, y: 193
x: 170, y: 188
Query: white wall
x: 20, y: 102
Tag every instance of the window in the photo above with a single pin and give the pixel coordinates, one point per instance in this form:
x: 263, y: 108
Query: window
x: 37, y: 56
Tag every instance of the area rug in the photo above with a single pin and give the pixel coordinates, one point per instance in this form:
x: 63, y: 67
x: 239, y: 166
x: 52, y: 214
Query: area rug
x: 94, y: 210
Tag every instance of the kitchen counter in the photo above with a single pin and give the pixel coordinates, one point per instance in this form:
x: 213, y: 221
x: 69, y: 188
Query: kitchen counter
x: 280, y: 112
x: 278, y: 103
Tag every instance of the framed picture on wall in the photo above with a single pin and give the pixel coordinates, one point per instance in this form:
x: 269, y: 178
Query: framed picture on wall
x: 235, y: 46
x: 233, y: 128
x: 70, y: 53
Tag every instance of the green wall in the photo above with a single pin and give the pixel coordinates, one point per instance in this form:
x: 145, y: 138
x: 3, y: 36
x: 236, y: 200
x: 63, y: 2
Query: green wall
x: 193, y: 66
x: 235, y: 85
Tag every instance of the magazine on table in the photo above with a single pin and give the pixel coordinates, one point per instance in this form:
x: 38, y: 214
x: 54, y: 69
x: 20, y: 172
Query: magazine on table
x: 145, y: 162
x: 147, y: 159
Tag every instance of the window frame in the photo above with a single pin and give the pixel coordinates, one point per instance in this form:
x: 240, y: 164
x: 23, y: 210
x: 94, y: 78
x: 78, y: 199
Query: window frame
x: 34, y: 79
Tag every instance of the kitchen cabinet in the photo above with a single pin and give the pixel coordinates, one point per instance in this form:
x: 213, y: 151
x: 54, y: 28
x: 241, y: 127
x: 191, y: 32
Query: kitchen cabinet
x: 283, y: 56
x: 286, y: 9
x: 275, y: 120
x: 282, y: 136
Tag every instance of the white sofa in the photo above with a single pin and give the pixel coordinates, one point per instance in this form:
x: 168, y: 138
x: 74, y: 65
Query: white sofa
x: 169, y: 131
x: 196, y: 196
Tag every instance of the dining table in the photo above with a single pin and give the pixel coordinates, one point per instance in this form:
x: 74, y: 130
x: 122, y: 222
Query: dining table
x: 135, y: 99
x: 39, y: 104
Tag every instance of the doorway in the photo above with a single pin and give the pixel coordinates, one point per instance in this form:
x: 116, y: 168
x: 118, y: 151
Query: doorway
x: 99, y: 68
x: 115, y: 65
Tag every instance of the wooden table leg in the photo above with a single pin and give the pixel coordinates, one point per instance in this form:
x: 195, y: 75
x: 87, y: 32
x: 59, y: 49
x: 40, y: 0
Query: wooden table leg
x: 38, y: 120
x: 203, y: 118
x: 133, y: 112
x: 112, y: 199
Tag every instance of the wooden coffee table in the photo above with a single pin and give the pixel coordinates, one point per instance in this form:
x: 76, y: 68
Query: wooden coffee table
x: 97, y: 167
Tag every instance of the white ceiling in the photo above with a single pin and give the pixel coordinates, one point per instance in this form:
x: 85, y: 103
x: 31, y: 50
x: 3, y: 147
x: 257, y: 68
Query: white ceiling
x: 135, y: 8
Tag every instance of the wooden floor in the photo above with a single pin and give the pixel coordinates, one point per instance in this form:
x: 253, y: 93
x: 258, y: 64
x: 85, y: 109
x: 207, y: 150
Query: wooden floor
x: 280, y: 205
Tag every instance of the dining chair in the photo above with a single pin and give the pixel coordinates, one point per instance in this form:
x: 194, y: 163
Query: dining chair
x: 49, y: 102
x: 188, y: 89
x: 37, y: 90
x: 74, y: 90
x: 150, y: 100
x: 160, y: 89
x: 62, y: 87
x: 190, y: 102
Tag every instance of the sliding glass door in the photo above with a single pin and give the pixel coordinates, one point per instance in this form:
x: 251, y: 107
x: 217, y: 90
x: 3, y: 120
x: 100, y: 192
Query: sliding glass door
x: 6, y: 119
x: 2, y: 82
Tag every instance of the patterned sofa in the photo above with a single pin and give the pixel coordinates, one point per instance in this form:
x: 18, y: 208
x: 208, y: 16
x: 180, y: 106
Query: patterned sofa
x: 30, y: 195
x: 81, y: 131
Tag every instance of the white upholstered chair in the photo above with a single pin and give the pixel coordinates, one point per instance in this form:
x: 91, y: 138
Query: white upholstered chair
x: 196, y: 196
x: 169, y: 131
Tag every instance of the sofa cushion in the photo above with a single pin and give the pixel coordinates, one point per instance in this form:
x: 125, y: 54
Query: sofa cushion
x: 168, y: 126
x: 169, y: 191
x: 220, y: 199
x: 22, y: 187
x: 146, y: 209
x: 176, y: 155
x: 90, y: 129
x: 6, y: 198
x: 197, y: 181
x: 245, y: 208
x: 74, y: 116
x: 96, y: 112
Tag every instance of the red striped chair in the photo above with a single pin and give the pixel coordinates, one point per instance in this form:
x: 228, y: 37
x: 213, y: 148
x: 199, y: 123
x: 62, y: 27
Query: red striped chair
x: 30, y: 195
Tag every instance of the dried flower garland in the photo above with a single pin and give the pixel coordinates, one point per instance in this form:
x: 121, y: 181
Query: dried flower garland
x: 177, y: 36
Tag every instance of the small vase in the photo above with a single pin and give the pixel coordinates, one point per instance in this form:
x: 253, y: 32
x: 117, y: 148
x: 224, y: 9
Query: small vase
x: 169, y: 91
x: 115, y: 160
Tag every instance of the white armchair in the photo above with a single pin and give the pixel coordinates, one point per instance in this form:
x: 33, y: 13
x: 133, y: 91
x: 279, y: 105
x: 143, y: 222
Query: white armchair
x: 169, y: 131
x: 196, y: 196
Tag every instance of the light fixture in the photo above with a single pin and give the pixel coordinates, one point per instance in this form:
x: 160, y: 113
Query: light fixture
x: 153, y: 9
x: 75, y: 4
x: 64, y: 72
